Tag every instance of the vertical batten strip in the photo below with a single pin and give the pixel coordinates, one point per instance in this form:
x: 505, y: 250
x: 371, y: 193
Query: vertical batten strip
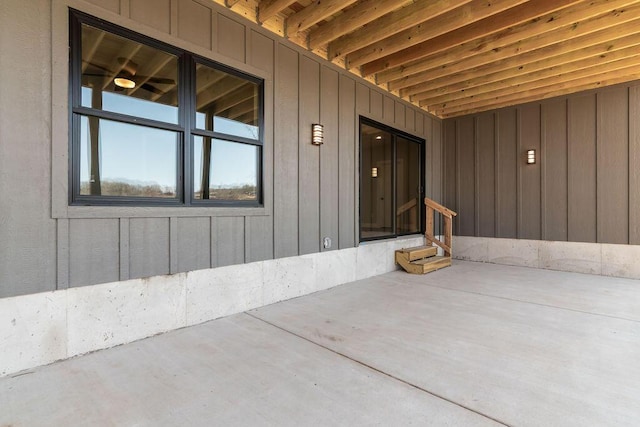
x: 173, y: 245
x: 124, y: 249
x: 634, y: 165
x: 63, y: 254
x: 476, y: 178
x: 497, y: 168
x: 173, y: 26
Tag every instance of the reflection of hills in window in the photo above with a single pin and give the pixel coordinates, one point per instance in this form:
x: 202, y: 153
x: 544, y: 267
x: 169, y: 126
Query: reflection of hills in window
x: 128, y: 188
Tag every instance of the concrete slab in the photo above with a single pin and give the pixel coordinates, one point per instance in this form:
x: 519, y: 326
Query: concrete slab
x: 615, y: 297
x: 233, y: 371
x: 502, y: 353
x: 474, y: 344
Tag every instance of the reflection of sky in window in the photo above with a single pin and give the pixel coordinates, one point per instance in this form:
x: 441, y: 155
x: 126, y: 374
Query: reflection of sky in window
x: 121, y: 103
x: 232, y: 164
x: 228, y: 126
x: 131, y: 154
x: 143, y: 155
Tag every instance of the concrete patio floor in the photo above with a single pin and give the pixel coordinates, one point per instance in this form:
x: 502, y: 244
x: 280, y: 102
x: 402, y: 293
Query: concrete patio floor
x: 471, y: 345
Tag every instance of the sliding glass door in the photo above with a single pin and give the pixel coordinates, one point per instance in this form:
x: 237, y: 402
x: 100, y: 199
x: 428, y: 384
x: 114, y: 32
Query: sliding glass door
x: 391, y: 182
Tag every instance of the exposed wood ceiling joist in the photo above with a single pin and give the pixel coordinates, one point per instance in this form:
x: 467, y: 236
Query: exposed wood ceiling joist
x: 454, y: 57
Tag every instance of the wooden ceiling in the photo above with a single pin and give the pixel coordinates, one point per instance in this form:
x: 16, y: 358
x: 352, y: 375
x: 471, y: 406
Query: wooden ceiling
x: 456, y: 57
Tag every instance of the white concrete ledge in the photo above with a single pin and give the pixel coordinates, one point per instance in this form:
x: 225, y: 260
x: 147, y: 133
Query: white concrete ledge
x: 591, y: 258
x: 41, y: 328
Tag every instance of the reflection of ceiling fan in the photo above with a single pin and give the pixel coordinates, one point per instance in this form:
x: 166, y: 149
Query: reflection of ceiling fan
x: 127, y: 78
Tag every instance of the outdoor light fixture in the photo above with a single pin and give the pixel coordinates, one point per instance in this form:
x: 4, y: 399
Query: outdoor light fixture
x: 317, y: 134
x: 374, y: 172
x: 531, y: 157
x: 379, y: 137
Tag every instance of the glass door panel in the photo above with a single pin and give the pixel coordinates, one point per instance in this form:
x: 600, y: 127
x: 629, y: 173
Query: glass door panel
x: 376, y: 183
x: 408, y: 187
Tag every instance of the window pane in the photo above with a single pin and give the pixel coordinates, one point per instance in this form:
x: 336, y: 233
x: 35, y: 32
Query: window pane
x: 118, y: 159
x: 407, y: 186
x: 124, y: 76
x: 225, y: 170
x: 376, y: 191
x: 226, y: 103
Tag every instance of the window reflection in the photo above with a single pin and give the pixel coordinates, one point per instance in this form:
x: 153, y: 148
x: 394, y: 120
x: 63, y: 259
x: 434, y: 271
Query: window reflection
x: 226, y: 103
x: 225, y: 170
x: 124, y: 76
x: 376, y: 196
x: 119, y: 159
x: 407, y: 186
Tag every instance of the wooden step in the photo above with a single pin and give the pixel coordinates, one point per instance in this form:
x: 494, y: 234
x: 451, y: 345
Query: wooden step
x: 423, y: 265
x: 427, y: 265
x: 418, y: 252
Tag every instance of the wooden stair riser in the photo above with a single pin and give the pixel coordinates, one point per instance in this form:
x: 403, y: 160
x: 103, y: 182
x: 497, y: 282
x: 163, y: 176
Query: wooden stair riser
x: 419, y: 252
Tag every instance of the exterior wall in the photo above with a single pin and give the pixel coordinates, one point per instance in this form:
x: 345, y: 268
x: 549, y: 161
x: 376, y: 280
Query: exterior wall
x: 310, y: 192
x: 584, y: 186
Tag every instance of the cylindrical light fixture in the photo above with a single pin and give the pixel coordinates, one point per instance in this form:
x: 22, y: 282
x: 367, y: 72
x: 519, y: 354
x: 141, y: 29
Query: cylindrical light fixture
x: 374, y: 172
x: 531, y: 157
x: 317, y: 134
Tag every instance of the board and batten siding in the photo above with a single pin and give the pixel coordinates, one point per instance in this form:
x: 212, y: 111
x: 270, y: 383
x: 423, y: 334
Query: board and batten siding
x: 310, y: 192
x: 584, y: 187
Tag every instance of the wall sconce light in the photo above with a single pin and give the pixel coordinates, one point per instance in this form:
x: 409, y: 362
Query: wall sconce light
x: 374, y: 172
x: 531, y: 157
x: 317, y: 134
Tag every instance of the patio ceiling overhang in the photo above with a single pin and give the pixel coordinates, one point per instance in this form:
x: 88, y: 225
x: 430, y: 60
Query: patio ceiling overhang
x: 456, y: 57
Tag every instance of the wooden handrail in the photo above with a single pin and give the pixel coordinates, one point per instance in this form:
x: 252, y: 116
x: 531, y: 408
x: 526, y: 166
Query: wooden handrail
x: 438, y: 207
x: 402, y: 209
x: 433, y: 206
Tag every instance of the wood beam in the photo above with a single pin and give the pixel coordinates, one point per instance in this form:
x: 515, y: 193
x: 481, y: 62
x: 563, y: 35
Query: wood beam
x: 450, y: 21
x: 562, y: 19
x: 516, y: 98
x: 208, y: 96
x: 230, y: 3
x: 352, y: 19
x: 239, y: 110
x: 515, y: 76
x: 269, y: 8
x: 157, y: 64
x: 514, y: 16
x: 314, y: 13
x: 580, y: 36
x: 390, y: 24
x: 94, y: 39
x: 240, y: 95
x: 206, y: 81
x: 559, y: 81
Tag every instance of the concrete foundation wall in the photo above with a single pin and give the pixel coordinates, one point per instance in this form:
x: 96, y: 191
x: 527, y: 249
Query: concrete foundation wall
x: 41, y: 328
x: 590, y: 258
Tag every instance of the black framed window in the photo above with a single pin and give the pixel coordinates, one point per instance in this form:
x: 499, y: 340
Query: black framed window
x: 151, y: 124
x: 391, y: 182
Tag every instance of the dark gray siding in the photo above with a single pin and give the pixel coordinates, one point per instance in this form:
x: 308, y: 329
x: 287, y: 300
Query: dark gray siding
x: 310, y: 192
x: 585, y: 185
x: 529, y: 224
x: 485, y: 175
x: 554, y: 146
x: 308, y: 158
x: 329, y: 203
x: 581, y: 173
x: 613, y: 165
